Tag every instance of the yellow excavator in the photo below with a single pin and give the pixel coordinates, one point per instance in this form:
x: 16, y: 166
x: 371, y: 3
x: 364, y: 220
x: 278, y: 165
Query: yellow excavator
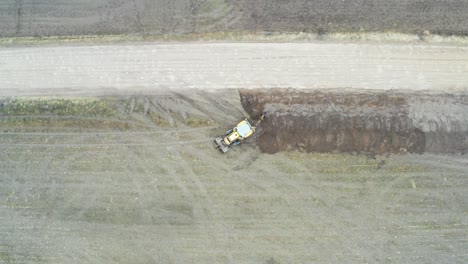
x: 237, y: 134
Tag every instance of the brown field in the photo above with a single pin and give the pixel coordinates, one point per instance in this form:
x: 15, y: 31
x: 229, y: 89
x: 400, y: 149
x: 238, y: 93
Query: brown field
x: 178, y: 17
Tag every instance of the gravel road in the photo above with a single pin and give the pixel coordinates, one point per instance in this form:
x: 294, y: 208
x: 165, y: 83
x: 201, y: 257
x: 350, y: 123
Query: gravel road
x: 151, y: 67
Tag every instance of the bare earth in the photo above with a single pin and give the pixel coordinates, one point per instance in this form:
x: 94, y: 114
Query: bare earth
x: 122, y: 169
x: 135, y: 179
x: 107, y: 69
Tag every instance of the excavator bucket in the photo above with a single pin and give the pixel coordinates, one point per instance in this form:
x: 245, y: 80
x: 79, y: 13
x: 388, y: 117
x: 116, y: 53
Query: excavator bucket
x: 220, y: 144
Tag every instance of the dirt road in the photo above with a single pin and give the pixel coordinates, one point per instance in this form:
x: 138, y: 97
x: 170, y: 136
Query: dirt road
x: 104, y: 69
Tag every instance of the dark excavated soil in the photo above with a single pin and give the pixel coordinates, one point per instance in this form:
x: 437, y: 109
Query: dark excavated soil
x: 365, y: 122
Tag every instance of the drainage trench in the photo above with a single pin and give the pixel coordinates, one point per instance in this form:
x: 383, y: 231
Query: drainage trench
x: 359, y: 121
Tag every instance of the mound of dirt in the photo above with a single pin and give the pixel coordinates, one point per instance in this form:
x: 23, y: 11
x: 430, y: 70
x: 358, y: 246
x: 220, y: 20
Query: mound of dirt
x: 370, y: 122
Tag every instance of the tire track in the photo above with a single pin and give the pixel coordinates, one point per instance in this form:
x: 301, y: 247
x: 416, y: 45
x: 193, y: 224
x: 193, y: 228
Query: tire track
x: 211, y: 206
x: 19, y: 16
x: 107, y: 144
x: 99, y: 133
x: 142, y: 200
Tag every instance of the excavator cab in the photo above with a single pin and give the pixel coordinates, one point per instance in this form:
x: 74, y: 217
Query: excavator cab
x: 242, y: 131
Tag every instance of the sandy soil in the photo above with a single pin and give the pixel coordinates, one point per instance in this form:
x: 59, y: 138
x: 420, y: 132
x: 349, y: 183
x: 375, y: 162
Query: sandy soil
x: 107, y: 69
x: 144, y: 184
x: 84, y: 17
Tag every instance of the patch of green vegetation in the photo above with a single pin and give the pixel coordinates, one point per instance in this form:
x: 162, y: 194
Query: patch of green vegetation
x: 361, y: 166
x: 185, y: 137
x: 86, y: 106
x: 430, y: 225
x: 405, y: 168
x: 336, y: 163
x: 79, y: 114
x: 286, y: 168
x: 202, y: 146
x: 190, y: 157
x: 212, y: 5
x: 194, y: 121
x: 346, y: 168
x: 139, y: 107
x: 158, y: 119
x: 202, y: 170
x: 11, y: 124
x: 7, y: 258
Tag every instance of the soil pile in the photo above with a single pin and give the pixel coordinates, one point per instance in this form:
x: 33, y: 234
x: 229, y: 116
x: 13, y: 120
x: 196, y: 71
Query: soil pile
x: 369, y: 122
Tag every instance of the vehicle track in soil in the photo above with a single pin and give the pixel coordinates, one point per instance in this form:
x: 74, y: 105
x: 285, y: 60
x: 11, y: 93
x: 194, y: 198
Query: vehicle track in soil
x: 163, y: 202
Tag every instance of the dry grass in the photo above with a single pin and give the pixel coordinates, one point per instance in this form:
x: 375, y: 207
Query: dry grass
x: 244, y: 36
